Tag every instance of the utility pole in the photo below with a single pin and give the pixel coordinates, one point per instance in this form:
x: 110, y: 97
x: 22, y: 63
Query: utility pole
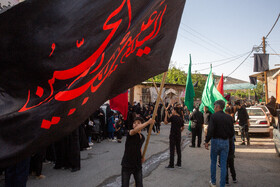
x: 265, y: 75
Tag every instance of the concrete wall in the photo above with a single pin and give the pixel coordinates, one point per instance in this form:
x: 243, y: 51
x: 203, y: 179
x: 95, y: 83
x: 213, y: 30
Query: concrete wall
x: 271, y: 84
x: 138, y: 92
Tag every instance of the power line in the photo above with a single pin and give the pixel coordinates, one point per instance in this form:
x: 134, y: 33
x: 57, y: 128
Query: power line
x: 274, y: 50
x: 222, y: 47
x: 223, y: 63
x: 200, y: 45
x: 240, y: 64
x: 213, y: 45
x: 210, y: 62
x: 272, y: 26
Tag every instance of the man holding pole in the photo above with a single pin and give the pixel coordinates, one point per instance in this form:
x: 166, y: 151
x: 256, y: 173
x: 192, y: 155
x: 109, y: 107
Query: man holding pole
x: 132, y: 159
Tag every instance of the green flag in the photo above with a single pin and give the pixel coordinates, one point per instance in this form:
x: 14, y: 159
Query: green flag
x: 189, y: 95
x: 210, y: 94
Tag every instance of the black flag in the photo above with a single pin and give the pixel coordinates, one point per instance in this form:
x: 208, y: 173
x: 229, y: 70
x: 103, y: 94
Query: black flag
x: 195, y: 84
x: 261, y: 62
x: 60, y: 60
x: 253, y: 80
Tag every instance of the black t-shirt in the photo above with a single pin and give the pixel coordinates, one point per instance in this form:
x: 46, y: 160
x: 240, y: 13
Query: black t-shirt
x: 176, y: 124
x: 132, y: 153
x: 207, y: 116
x: 220, y: 126
x: 242, y: 115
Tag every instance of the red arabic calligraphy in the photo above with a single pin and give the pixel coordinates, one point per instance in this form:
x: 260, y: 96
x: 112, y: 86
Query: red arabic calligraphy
x: 53, y: 48
x: 128, y: 45
x: 79, y: 44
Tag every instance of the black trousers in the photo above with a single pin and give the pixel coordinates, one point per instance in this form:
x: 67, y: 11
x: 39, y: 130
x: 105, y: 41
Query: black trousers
x: 157, y: 126
x: 148, y: 127
x: 197, y: 131
x: 230, y: 165
x: 74, y: 150
x: 68, y: 151
x: 36, y: 163
x: 83, y: 137
x: 61, y: 153
x: 137, y: 174
x: 175, y: 142
x: 17, y: 175
x: 244, y: 129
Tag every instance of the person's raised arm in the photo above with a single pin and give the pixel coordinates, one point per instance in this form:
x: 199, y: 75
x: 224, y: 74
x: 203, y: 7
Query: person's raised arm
x: 141, y: 126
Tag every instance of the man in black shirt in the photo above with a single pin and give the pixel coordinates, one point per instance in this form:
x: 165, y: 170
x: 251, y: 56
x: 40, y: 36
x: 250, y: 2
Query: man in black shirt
x: 197, y: 121
x: 132, y: 159
x: 177, y: 126
x: 243, y: 119
x: 220, y: 130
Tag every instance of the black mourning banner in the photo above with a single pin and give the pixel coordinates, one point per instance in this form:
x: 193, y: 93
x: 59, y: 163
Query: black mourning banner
x: 253, y: 80
x: 62, y: 59
x: 261, y: 62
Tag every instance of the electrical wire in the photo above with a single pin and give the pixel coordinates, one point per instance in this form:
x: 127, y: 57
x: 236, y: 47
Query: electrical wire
x: 248, y: 54
x: 273, y: 26
x: 240, y: 64
x: 200, y: 45
x: 210, y: 62
x: 222, y: 47
x: 224, y: 62
x: 213, y: 45
x: 274, y: 51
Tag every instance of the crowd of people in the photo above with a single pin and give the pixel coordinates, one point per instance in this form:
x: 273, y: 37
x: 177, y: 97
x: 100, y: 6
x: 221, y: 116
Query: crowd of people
x: 107, y: 124
x: 103, y: 124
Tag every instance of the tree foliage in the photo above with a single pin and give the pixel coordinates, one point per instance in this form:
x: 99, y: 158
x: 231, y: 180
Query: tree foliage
x: 177, y: 76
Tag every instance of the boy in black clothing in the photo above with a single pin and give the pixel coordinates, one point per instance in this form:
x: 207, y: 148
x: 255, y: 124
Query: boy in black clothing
x: 132, y: 159
x: 244, y: 123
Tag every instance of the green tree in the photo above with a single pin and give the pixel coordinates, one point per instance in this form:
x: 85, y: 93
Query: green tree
x: 177, y: 76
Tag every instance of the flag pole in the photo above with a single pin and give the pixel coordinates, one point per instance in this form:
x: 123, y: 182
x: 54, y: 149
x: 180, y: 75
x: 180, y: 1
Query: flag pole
x: 158, y: 93
x: 154, y: 114
x: 160, y: 96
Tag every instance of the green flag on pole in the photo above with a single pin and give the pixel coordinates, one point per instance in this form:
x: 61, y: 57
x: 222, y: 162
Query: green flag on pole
x: 210, y: 94
x: 189, y: 95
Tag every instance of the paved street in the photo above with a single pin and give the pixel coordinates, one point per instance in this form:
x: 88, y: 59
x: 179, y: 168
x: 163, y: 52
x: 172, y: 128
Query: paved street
x: 99, y: 165
x: 256, y: 165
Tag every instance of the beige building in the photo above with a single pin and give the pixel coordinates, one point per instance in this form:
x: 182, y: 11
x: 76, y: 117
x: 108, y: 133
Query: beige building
x: 144, y: 93
x: 272, y: 76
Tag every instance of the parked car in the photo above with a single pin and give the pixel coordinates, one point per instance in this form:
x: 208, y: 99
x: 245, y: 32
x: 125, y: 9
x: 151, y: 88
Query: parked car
x: 259, y: 122
x: 269, y: 115
x: 276, y: 135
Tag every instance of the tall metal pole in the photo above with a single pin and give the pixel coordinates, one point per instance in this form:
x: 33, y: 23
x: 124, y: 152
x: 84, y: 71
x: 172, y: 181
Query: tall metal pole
x: 265, y: 75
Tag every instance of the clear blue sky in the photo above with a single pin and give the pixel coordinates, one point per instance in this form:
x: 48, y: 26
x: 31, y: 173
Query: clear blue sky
x: 214, y: 30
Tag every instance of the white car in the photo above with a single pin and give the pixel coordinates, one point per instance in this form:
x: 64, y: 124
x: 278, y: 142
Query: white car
x: 259, y: 122
x: 270, y: 117
x: 276, y: 137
